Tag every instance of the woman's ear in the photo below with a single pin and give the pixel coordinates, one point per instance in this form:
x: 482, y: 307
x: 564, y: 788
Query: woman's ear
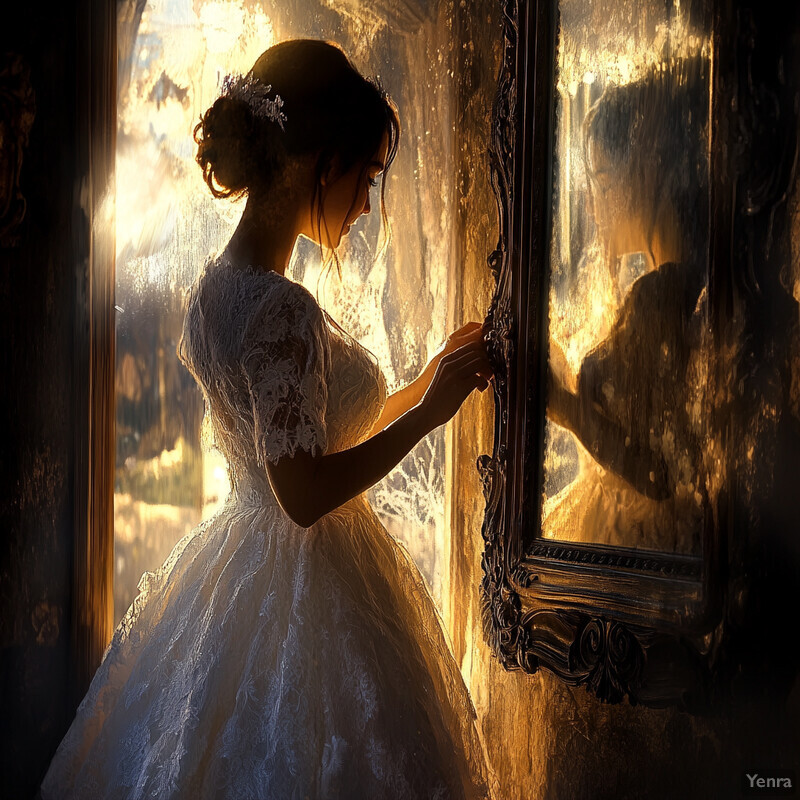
x: 329, y: 166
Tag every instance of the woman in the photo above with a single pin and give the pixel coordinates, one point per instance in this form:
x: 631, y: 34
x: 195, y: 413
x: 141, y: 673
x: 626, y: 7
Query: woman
x: 636, y: 404
x: 288, y: 647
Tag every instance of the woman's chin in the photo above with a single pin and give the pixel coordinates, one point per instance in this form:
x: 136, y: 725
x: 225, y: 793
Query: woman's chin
x: 328, y: 245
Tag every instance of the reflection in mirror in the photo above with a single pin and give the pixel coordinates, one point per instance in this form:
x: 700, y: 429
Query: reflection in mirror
x: 626, y: 432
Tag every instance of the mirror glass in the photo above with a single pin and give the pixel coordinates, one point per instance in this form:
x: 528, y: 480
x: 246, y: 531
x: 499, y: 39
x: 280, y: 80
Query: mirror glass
x: 626, y: 439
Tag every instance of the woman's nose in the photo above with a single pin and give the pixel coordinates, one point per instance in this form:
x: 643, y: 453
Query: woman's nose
x: 367, y: 207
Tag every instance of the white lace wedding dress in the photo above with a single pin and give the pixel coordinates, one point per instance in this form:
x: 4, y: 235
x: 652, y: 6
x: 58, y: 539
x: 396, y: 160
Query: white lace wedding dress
x: 265, y: 660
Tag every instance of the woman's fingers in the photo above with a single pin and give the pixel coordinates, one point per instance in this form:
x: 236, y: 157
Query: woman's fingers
x: 466, y: 332
x: 473, y: 346
x: 472, y: 341
x: 472, y: 381
x: 468, y: 360
x: 470, y: 332
x: 467, y: 351
x: 458, y: 373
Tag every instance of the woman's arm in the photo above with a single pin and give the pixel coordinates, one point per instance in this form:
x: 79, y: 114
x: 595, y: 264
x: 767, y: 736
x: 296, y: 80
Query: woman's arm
x: 308, y: 487
x: 406, y: 398
x: 608, y: 442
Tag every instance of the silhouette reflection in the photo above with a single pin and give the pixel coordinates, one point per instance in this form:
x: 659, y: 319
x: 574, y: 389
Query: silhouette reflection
x: 636, y: 402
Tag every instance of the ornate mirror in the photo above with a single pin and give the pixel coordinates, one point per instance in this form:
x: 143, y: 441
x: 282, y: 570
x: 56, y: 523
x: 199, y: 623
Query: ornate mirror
x: 624, y: 136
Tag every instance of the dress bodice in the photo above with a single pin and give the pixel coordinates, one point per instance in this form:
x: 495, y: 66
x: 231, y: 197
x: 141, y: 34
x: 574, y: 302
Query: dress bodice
x: 256, y: 662
x: 276, y: 370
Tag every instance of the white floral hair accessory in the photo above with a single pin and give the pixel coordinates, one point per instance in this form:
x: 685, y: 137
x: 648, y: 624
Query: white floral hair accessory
x: 253, y: 92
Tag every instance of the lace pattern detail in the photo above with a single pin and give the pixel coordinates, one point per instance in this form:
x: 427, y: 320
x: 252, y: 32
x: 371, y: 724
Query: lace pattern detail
x: 263, y: 660
x: 285, y: 363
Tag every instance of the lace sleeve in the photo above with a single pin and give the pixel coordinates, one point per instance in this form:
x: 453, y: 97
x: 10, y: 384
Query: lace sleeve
x: 286, y: 355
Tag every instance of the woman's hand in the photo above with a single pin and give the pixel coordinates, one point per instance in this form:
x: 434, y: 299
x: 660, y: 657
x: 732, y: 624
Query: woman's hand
x: 409, y: 396
x: 466, y: 334
x: 308, y: 487
x: 470, y: 332
x: 459, y: 371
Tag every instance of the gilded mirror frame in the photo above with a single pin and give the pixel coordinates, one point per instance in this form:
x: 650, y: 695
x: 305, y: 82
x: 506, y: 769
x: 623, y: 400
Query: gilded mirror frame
x: 647, y: 626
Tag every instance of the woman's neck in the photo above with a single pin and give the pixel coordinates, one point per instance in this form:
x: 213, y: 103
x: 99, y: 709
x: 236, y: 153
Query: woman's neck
x: 265, y: 237
x: 665, y: 249
x: 667, y: 243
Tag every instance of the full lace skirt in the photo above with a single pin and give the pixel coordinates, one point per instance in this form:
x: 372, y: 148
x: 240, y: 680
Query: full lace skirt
x: 268, y: 661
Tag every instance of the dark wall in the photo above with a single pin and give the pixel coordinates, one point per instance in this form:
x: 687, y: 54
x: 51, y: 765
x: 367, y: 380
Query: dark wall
x: 39, y: 280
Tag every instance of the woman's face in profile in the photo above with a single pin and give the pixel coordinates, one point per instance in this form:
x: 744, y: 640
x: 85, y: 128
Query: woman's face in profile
x: 346, y: 196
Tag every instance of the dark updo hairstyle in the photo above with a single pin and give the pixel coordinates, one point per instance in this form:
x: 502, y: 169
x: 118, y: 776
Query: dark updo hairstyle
x: 330, y: 108
x: 654, y: 131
